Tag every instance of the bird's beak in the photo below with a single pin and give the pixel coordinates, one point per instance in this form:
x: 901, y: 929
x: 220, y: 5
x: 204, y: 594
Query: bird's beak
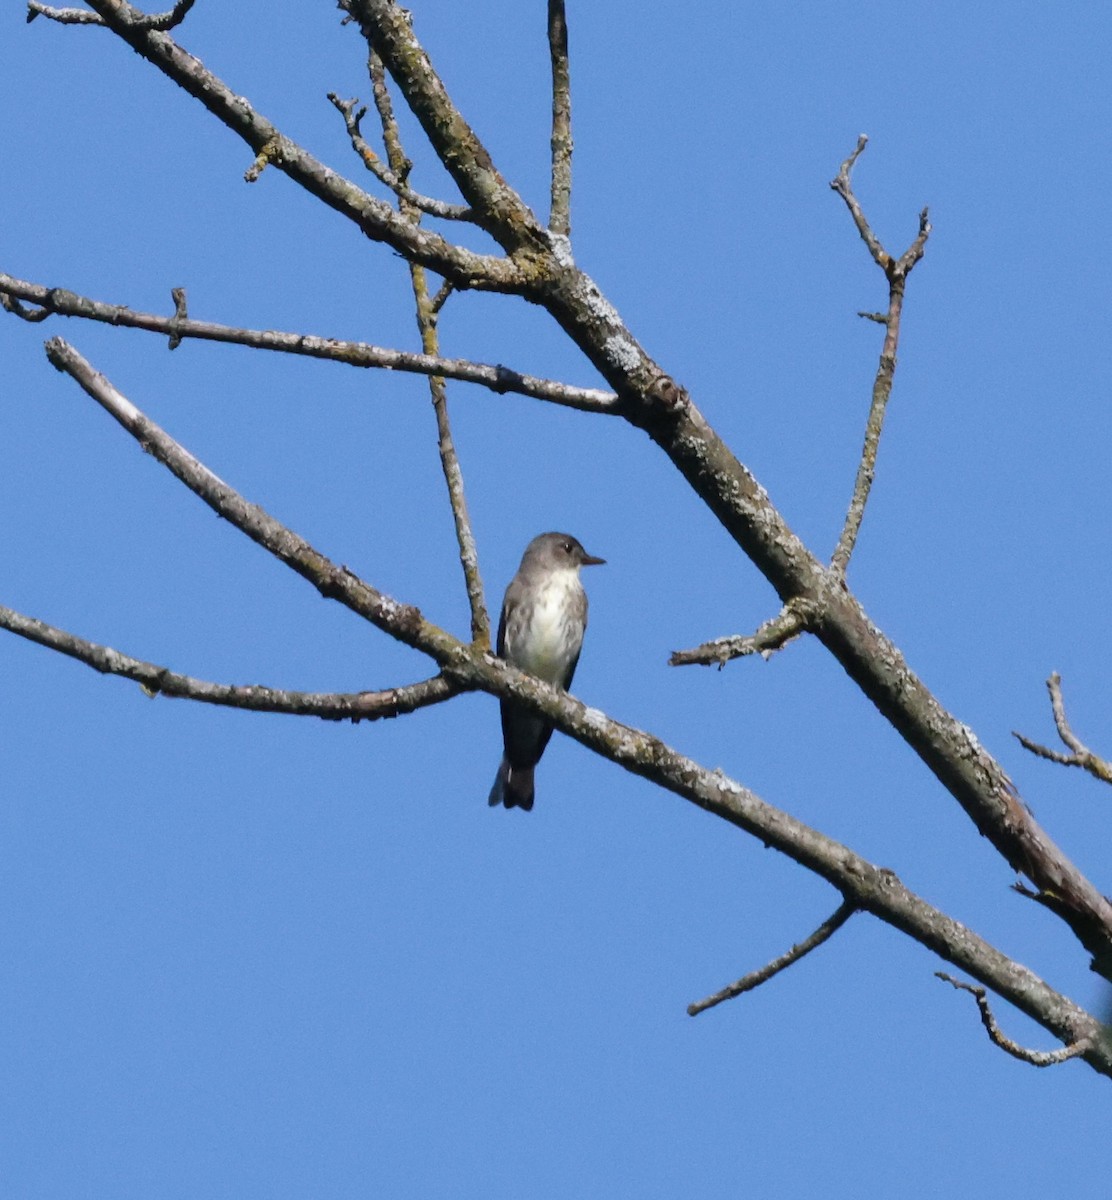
x: 589, y: 560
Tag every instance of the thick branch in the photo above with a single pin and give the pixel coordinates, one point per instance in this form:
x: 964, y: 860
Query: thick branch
x: 1080, y: 755
x: 156, y: 680
x: 1037, y: 1058
x: 868, y: 887
x: 559, y: 220
x: 495, y: 377
x: 373, y: 216
x: 754, y: 979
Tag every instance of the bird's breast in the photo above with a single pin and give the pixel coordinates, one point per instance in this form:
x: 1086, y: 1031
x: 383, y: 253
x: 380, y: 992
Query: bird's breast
x: 548, y: 633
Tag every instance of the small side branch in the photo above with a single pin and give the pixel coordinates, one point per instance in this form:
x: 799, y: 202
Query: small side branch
x: 428, y: 315
x: 80, y: 16
x: 495, y: 377
x: 1037, y: 1058
x: 559, y: 221
x: 395, y: 182
x: 1080, y: 755
x: 156, y: 680
x: 896, y: 271
x: 773, y: 635
x: 755, y: 978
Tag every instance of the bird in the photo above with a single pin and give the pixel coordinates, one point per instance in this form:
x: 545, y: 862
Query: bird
x: 544, y: 615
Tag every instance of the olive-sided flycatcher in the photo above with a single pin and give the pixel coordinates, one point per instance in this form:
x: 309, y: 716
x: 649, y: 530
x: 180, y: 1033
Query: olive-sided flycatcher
x: 544, y: 615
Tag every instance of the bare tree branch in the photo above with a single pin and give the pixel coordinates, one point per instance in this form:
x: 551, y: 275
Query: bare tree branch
x: 773, y: 635
x: 896, y: 271
x: 542, y: 269
x: 427, y: 317
x: 1080, y: 755
x: 1037, y: 1058
x: 374, y: 217
x: 869, y: 888
x: 559, y: 220
x: 755, y: 978
x: 81, y: 16
x: 395, y: 182
x: 156, y: 680
x: 495, y: 377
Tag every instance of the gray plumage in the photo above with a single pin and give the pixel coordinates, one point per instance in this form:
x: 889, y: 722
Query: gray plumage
x: 544, y: 615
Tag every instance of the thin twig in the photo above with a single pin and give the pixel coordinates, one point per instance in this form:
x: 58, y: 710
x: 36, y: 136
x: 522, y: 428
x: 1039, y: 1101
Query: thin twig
x: 755, y: 978
x: 773, y: 635
x: 559, y: 220
x: 1037, y: 1058
x: 441, y: 298
x: 156, y: 680
x: 80, y: 16
x: 495, y: 377
x: 394, y: 181
x: 427, y: 317
x: 896, y: 272
x: 1080, y: 755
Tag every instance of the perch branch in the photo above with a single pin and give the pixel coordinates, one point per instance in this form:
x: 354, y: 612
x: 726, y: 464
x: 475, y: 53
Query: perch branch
x: 1037, y: 1058
x: 1080, y: 755
x: 896, y: 272
x: 495, y: 377
x: 872, y: 889
x: 755, y: 978
x: 559, y: 220
x: 156, y: 680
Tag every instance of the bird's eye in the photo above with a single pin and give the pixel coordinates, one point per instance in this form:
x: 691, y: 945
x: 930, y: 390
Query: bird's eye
x: 566, y: 547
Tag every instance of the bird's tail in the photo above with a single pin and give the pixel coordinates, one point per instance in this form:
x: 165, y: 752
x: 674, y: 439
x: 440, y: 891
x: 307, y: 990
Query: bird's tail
x: 513, y: 787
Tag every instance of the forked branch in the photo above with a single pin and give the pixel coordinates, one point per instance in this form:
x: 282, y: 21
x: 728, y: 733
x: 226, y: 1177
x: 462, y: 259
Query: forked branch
x: 1080, y: 755
x: 896, y: 271
x: 394, y: 180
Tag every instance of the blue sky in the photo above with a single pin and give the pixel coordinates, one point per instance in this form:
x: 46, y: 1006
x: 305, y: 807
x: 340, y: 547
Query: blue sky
x: 265, y: 956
